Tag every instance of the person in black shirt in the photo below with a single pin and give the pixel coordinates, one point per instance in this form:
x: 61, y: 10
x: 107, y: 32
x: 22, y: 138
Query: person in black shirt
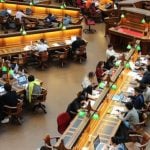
x: 137, y: 99
x: 10, y: 98
x: 76, y: 45
x: 75, y: 105
x: 109, y: 63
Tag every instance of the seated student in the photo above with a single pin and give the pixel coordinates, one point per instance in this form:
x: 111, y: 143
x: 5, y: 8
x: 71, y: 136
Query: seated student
x: 41, y: 46
x: 67, y: 20
x: 100, y: 72
x: 50, y: 18
x: 109, y: 63
x: 146, y: 76
x: 115, y: 144
x: 89, y: 80
x: 137, y: 99
x: 20, y: 14
x: 87, y: 93
x: 10, y: 98
x: 76, y: 47
x: 110, y: 52
x: 75, y: 105
x: 34, y: 87
x: 146, y: 92
x: 132, y: 116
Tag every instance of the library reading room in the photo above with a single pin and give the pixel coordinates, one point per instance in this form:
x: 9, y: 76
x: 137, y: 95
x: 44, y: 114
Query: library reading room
x: 74, y: 74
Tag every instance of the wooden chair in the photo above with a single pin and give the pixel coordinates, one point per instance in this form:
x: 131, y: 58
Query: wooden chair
x: 43, y: 59
x: 139, y: 127
x: 38, y: 99
x: 139, y: 142
x: 48, y: 142
x: 14, y: 112
x: 61, y: 56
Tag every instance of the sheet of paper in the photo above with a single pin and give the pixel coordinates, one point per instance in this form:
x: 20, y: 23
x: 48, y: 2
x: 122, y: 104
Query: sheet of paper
x: 115, y: 110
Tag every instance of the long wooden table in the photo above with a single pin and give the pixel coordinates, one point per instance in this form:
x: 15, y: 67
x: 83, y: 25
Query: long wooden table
x: 11, y: 44
x: 40, y: 11
x: 81, y: 129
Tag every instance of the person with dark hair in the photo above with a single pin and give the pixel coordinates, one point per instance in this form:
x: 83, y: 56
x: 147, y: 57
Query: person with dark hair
x: 78, y: 46
x: 131, y: 118
x: 100, y: 72
x: 146, y: 76
x: 146, y: 92
x: 10, y: 98
x: 109, y: 63
x: 137, y: 99
x: 50, y: 18
x: 75, y: 105
x: 89, y: 80
x: 34, y: 87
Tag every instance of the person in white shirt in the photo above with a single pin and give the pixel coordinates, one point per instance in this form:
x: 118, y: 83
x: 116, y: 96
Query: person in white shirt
x: 89, y: 80
x: 20, y: 14
x: 110, y: 52
x: 41, y: 46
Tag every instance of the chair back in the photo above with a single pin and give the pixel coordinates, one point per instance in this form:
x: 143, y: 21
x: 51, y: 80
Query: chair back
x: 43, y: 56
x: 63, y: 120
x: 14, y: 111
x: 40, y: 97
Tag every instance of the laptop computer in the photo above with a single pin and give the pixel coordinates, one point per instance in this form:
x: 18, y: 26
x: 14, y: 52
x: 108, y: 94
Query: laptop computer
x: 22, y: 80
x: 97, y: 144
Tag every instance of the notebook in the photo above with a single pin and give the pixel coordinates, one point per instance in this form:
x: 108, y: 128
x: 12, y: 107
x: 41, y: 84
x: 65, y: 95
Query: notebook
x: 22, y: 80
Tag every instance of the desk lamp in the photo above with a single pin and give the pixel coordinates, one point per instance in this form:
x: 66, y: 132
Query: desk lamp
x: 86, y: 112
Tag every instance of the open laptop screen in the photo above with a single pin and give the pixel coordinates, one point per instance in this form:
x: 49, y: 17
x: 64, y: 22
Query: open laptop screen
x: 22, y: 80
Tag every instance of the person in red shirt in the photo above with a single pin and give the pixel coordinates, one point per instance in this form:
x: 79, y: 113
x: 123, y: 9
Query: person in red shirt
x: 100, y: 72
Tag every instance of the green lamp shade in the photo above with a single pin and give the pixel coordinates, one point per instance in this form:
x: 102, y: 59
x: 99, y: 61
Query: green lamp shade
x: 2, y: 1
x: 24, y: 32
x: 4, y: 68
x: 143, y: 20
x: 21, y: 29
x: 63, y: 27
x: 95, y: 116
x: 11, y: 72
x: 122, y: 16
x: 31, y: 3
x: 82, y: 113
x: 114, y: 87
x: 138, y: 48
x: 117, y: 63
x: 101, y: 85
x: 129, y: 46
x: 62, y: 7
x: 65, y: 5
x: 127, y: 65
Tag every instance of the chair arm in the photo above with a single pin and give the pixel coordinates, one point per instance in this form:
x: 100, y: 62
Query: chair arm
x: 37, y: 94
x: 20, y: 100
x: 135, y: 135
x: 10, y: 107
